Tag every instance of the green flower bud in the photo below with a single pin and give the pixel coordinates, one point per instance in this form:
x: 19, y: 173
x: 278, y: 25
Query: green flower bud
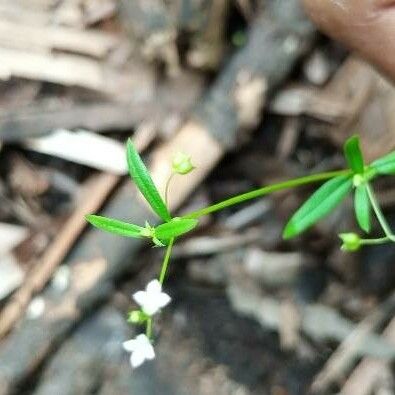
x: 137, y: 317
x: 351, y: 241
x: 182, y: 163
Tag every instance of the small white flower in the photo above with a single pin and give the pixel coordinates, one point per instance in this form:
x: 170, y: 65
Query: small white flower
x: 141, y: 350
x: 152, y: 299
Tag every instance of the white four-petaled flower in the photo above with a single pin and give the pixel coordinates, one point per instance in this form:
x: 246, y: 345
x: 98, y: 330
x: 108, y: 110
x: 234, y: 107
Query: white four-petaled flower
x: 141, y: 350
x: 152, y: 299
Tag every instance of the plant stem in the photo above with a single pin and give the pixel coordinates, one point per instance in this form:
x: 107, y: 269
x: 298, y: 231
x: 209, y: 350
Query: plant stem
x: 379, y: 214
x: 148, y: 330
x: 380, y: 240
x: 163, y: 270
x: 265, y: 191
x: 166, y: 260
x: 167, y: 188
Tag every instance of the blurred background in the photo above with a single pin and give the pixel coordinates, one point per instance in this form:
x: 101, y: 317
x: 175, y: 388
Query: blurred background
x: 256, y: 95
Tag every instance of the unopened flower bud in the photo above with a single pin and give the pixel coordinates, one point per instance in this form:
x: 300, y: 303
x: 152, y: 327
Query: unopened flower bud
x: 137, y: 317
x: 351, y: 241
x: 182, y: 163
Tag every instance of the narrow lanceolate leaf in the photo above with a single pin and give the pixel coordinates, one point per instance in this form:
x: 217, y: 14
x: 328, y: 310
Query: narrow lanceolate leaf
x: 353, y: 155
x: 386, y: 164
x: 320, y: 204
x: 362, y: 207
x: 176, y: 227
x: 115, y: 226
x: 143, y: 180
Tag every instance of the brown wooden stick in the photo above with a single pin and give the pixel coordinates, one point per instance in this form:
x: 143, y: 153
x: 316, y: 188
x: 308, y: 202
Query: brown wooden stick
x: 341, y: 360
x: 97, y: 189
x: 368, y: 371
x: 29, y: 37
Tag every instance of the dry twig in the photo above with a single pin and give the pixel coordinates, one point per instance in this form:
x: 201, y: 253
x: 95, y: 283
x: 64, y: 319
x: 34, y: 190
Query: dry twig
x: 341, y: 360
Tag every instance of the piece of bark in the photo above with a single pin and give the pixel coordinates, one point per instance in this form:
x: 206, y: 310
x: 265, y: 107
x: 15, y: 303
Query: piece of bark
x: 273, y: 269
x: 42, y: 5
x: 98, y: 10
x: 96, y: 191
x: 81, y: 362
x: 208, y: 44
x: 68, y: 70
x: 39, y: 119
x: 277, y: 43
x: 208, y: 245
x: 369, y: 103
x: 146, y: 101
x: 289, y: 137
x: 319, y: 322
x: 92, y: 360
x: 34, y: 38
x: 343, y: 358
x: 12, y: 10
x: 151, y: 25
x: 305, y: 100
x: 364, y: 377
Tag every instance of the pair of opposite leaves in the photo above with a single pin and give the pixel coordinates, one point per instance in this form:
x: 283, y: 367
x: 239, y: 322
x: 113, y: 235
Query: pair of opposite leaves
x: 162, y: 234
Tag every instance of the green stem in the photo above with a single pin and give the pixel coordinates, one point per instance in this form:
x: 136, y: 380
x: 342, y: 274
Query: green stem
x: 167, y: 188
x: 380, y: 240
x: 148, y: 330
x: 163, y: 270
x: 166, y: 260
x: 379, y: 214
x: 265, y: 191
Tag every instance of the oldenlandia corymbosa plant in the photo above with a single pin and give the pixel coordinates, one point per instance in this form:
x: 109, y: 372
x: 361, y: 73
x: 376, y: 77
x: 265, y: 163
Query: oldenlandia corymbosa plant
x: 356, y: 179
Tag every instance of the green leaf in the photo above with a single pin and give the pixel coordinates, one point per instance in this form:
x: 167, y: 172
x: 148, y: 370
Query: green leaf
x: 176, y: 227
x: 362, y: 207
x: 320, y: 204
x: 353, y: 155
x: 143, y: 180
x: 385, y: 164
x: 115, y: 226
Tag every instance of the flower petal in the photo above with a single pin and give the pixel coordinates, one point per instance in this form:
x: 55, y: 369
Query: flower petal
x: 162, y: 299
x: 154, y: 286
x: 137, y: 359
x: 141, y: 297
x: 149, y: 352
x: 145, y: 347
x: 130, y: 345
x: 150, y: 308
x: 142, y: 339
